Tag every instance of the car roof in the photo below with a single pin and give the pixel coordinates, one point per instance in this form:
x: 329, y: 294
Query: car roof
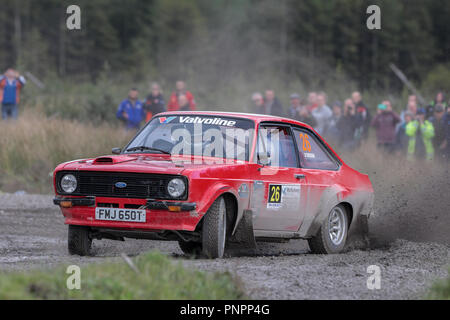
x: 252, y: 116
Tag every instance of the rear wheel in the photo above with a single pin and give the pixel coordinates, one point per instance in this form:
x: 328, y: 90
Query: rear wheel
x: 79, y: 241
x: 214, y: 231
x: 332, y: 234
x: 190, y: 248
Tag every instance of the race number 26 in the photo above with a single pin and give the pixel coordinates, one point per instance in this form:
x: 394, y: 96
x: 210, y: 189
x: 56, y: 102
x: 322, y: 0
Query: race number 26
x: 306, y: 145
x: 274, y: 193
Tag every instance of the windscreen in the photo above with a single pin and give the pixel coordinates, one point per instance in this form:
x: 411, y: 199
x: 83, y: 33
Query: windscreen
x: 199, y: 135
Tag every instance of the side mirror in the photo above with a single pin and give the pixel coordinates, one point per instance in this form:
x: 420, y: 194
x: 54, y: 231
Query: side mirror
x: 116, y: 150
x: 264, y: 158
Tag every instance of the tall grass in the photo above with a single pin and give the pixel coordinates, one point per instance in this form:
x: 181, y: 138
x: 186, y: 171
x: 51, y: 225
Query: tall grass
x: 158, y: 278
x: 32, y: 146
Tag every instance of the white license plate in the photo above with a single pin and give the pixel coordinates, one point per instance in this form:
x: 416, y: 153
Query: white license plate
x: 119, y: 214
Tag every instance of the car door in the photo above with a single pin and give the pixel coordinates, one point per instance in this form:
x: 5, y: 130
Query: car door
x: 318, y: 166
x: 276, y: 188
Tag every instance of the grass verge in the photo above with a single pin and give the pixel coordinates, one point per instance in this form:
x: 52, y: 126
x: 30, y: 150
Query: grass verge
x: 440, y: 290
x: 158, y: 278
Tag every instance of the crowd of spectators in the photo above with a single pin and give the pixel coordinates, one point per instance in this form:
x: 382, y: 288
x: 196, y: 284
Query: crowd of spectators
x: 133, y: 112
x: 418, y: 132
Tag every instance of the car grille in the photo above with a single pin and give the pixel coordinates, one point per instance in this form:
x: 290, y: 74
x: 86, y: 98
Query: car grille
x: 103, y: 184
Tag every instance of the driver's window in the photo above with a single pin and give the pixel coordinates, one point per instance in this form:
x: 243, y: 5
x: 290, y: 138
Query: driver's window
x: 312, y: 153
x: 276, y: 147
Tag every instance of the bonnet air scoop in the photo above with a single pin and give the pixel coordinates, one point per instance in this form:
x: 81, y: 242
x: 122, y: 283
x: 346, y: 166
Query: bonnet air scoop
x: 104, y: 160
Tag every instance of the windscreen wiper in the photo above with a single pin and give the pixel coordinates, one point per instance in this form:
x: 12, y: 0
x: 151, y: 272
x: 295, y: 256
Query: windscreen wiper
x: 142, y: 148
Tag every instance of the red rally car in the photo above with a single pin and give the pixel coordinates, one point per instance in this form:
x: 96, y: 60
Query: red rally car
x: 211, y: 179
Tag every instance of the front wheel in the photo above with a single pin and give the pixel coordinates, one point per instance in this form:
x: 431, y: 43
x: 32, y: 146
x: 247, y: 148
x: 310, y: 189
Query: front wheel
x: 79, y: 241
x: 214, y: 231
x: 332, y: 234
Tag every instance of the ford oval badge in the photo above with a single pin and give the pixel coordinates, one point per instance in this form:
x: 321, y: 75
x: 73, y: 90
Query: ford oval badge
x: 120, y: 185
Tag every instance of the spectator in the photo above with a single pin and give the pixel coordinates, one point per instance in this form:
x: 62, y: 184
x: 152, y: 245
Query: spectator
x: 294, y: 108
x: 439, y: 99
x: 412, y: 98
x: 154, y: 103
x: 272, y: 105
x: 312, y: 101
x: 174, y: 102
x: 363, y: 113
x: 257, y: 103
x: 388, y: 105
x: 184, y: 103
x: 420, y: 132
x: 131, y: 110
x: 446, y: 143
x: 306, y: 117
x: 322, y: 114
x: 299, y: 112
x: 385, y: 123
x: 401, y: 137
x: 348, y: 126
x: 11, y: 84
x: 334, y: 130
x: 440, y: 126
x: 411, y: 108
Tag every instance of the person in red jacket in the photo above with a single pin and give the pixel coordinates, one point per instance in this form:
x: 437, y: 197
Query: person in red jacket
x: 174, y: 101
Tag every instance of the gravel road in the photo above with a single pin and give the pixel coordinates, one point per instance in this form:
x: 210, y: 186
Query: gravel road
x: 33, y: 235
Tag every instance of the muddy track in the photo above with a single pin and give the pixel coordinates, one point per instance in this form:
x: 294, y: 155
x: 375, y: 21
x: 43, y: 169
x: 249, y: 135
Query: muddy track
x: 33, y: 235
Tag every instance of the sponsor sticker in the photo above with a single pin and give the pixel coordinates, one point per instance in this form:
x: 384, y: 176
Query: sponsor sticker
x: 280, y: 195
x: 204, y: 120
x: 165, y: 119
x: 243, y: 190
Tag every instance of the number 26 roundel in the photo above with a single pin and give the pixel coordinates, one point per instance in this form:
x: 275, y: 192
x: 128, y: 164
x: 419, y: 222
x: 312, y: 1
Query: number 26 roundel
x: 274, y: 193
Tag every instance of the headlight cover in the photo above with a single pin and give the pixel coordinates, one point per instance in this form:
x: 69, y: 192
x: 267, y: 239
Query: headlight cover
x: 176, y: 187
x: 68, y: 183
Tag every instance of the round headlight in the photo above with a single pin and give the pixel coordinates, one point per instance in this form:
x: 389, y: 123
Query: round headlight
x: 69, y: 183
x: 176, y: 187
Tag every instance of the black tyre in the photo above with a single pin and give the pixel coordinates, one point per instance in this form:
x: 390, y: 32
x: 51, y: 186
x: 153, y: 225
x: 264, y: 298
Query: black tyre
x: 214, y: 233
x: 190, y: 248
x: 332, y: 234
x: 79, y: 241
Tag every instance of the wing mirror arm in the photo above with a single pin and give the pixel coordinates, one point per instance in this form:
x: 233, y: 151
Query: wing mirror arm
x: 263, y: 159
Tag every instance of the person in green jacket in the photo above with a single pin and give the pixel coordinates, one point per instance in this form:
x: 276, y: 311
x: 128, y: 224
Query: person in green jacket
x: 420, y: 133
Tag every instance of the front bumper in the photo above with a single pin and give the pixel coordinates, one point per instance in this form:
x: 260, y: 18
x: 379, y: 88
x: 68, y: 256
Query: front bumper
x: 160, y: 215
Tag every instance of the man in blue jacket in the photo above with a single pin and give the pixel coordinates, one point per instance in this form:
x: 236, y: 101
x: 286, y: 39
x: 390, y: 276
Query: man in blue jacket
x: 11, y: 84
x: 131, y: 110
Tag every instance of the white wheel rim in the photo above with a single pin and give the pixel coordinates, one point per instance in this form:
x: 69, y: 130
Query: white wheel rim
x: 222, y: 228
x: 337, y: 226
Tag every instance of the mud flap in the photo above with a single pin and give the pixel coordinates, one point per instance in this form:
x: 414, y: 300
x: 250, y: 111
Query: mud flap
x: 244, y: 232
x: 358, y: 237
x: 364, y: 227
